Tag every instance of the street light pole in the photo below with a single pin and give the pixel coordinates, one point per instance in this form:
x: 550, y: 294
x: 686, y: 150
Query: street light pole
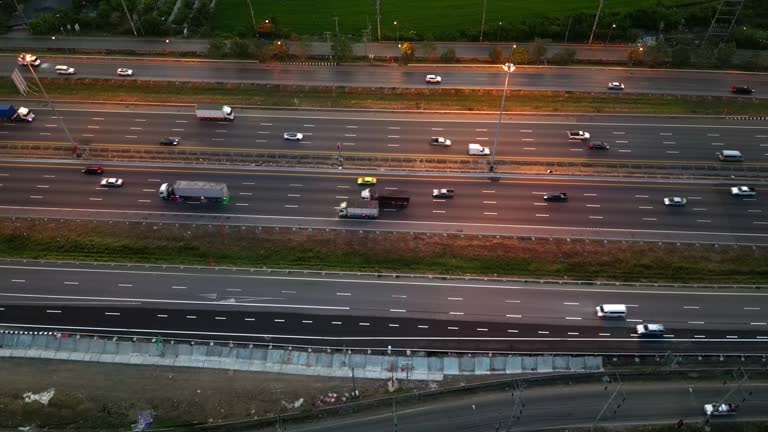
x: 53, y: 107
x: 613, y: 26
x: 482, y: 23
x: 509, y: 68
x: 397, y: 26
x: 498, y: 33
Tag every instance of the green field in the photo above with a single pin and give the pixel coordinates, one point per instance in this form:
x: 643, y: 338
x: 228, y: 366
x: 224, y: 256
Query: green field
x: 430, y: 16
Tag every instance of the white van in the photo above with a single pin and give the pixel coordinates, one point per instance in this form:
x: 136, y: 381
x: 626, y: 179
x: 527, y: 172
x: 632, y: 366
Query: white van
x: 611, y: 311
x: 477, y: 149
x: 730, y: 156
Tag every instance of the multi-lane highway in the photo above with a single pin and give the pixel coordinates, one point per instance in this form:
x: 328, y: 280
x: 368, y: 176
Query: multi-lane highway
x: 659, y: 140
x: 623, y: 209
x: 558, y: 408
x: 587, y: 79
x: 362, y: 311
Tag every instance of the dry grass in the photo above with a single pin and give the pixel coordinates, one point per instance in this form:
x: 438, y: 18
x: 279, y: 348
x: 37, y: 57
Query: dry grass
x: 381, y: 252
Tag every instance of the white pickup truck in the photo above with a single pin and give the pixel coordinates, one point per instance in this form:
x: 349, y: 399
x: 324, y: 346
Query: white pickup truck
x: 713, y: 409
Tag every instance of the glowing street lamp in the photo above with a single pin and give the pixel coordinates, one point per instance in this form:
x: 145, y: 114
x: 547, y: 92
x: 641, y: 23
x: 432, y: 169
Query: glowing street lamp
x: 609, y: 33
x: 508, y: 68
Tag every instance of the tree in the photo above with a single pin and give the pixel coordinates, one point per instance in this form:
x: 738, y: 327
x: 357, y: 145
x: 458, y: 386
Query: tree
x: 538, y: 50
x: 341, y: 48
x: 44, y: 24
x: 448, y: 56
x: 280, y: 51
x: 758, y: 61
x: 217, y: 48
x: 429, y: 48
x: 152, y: 25
x: 724, y: 54
x: 519, y: 56
x: 240, y: 48
x: 564, y: 57
x: 407, y: 53
x: 496, y: 55
x: 301, y: 49
x: 680, y: 56
x: 634, y: 55
x: 656, y: 55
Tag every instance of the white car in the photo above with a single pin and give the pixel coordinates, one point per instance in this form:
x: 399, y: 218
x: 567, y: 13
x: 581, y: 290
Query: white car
x: 615, y: 86
x: 112, y: 182
x: 125, y: 72
x: 675, y: 201
x: 650, y: 330
x: 578, y: 135
x: 442, y: 193
x: 25, y: 59
x: 65, y: 70
x: 713, y: 409
x: 293, y: 136
x: 440, y: 142
x: 743, y: 191
x: 433, y: 79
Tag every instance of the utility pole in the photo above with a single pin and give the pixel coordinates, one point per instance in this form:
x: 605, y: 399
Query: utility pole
x: 594, y: 26
x: 253, y: 18
x: 378, y: 20
x: 337, y: 24
x: 482, y: 23
x: 568, y: 30
x: 53, y: 108
x: 517, y: 406
x: 21, y: 12
x: 610, y: 399
x: 129, y: 18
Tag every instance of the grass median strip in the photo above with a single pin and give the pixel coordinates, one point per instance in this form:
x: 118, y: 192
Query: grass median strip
x: 222, y: 245
x: 395, y: 99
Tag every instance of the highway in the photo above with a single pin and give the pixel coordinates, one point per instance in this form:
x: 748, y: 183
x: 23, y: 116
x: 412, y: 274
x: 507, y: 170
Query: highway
x: 625, y: 208
x: 560, y: 407
x: 649, y: 140
x: 374, y: 312
x: 586, y: 79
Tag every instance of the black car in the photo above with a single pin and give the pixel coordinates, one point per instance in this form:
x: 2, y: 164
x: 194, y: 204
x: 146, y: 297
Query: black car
x: 93, y: 169
x: 599, y: 145
x: 172, y: 141
x: 742, y: 89
x: 556, y: 196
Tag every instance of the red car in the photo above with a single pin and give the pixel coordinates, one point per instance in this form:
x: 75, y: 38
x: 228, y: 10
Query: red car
x: 742, y: 90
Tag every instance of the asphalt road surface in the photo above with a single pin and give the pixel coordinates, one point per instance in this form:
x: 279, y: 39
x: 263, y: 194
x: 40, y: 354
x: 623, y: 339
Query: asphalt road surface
x: 371, y: 312
x: 586, y: 79
x: 621, y: 207
x: 647, y: 140
x: 558, y: 408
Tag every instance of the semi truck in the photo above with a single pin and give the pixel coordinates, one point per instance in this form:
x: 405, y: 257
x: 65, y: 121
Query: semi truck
x: 214, y: 112
x: 195, y: 192
x: 10, y: 113
x: 359, y: 209
x: 392, y: 199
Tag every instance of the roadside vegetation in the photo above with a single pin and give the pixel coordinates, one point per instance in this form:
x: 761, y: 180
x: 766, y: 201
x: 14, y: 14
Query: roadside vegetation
x: 452, y: 254
x: 391, y: 99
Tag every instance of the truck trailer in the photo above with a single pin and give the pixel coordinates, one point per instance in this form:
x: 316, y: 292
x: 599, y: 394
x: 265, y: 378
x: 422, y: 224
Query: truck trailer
x: 214, y: 112
x: 10, y: 113
x: 392, y: 199
x: 359, y: 209
x: 195, y: 192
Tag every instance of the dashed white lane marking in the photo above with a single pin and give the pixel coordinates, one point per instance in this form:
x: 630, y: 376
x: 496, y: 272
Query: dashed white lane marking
x: 513, y: 331
x: 291, y: 206
x: 622, y: 142
x: 511, y: 301
x: 393, y: 145
x: 668, y: 142
x: 703, y: 220
x: 178, y: 130
x: 542, y: 332
x: 619, y: 133
x: 399, y: 296
x: 453, y: 328
x: 673, y: 152
x: 625, y: 151
x: 45, y: 133
x: 351, y: 127
x: 309, y: 125
x: 350, y: 135
x: 718, y: 144
x: 665, y: 133
x: 650, y: 219
x: 52, y: 311
x: 570, y: 303
x: 97, y: 118
x: 343, y: 294
x: 438, y: 211
x: 603, y: 334
x: 490, y: 214
x: 641, y: 196
x: 293, y: 195
x: 265, y: 124
x: 529, y: 148
x: 306, y: 321
x: 88, y: 135
x: 422, y: 327
x: 95, y: 199
x: 527, y: 139
x: 489, y: 202
x: 481, y: 130
x: 348, y: 143
x: 751, y: 308
x: 593, y: 205
x: 481, y: 139
x: 136, y: 128
x: 393, y: 136
x: 572, y: 318
x: 393, y: 127
x: 437, y: 129
x: 488, y: 191
x: 526, y: 130
x: 713, y: 134
x: 690, y: 307
x: 71, y: 283
x: 178, y: 287
x: 482, y: 329
x: 757, y: 323
x: 217, y: 139
x: 241, y: 204
x: 397, y: 310
x: 18, y: 280
x: 36, y: 196
x: 336, y: 322
x: 143, y: 200
x: 455, y: 313
x: 573, y: 333
x: 541, y: 215
x: 139, y: 120
x: 513, y: 316
x: 364, y: 324
x: 262, y: 132
x: 182, y: 121
x: 93, y: 127
x: 53, y: 125
x: 645, y: 207
x: 131, y: 136
x: 698, y: 209
x: 595, y: 217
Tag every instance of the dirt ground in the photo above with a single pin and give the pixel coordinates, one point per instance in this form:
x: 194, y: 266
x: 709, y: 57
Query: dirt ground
x: 103, y: 396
